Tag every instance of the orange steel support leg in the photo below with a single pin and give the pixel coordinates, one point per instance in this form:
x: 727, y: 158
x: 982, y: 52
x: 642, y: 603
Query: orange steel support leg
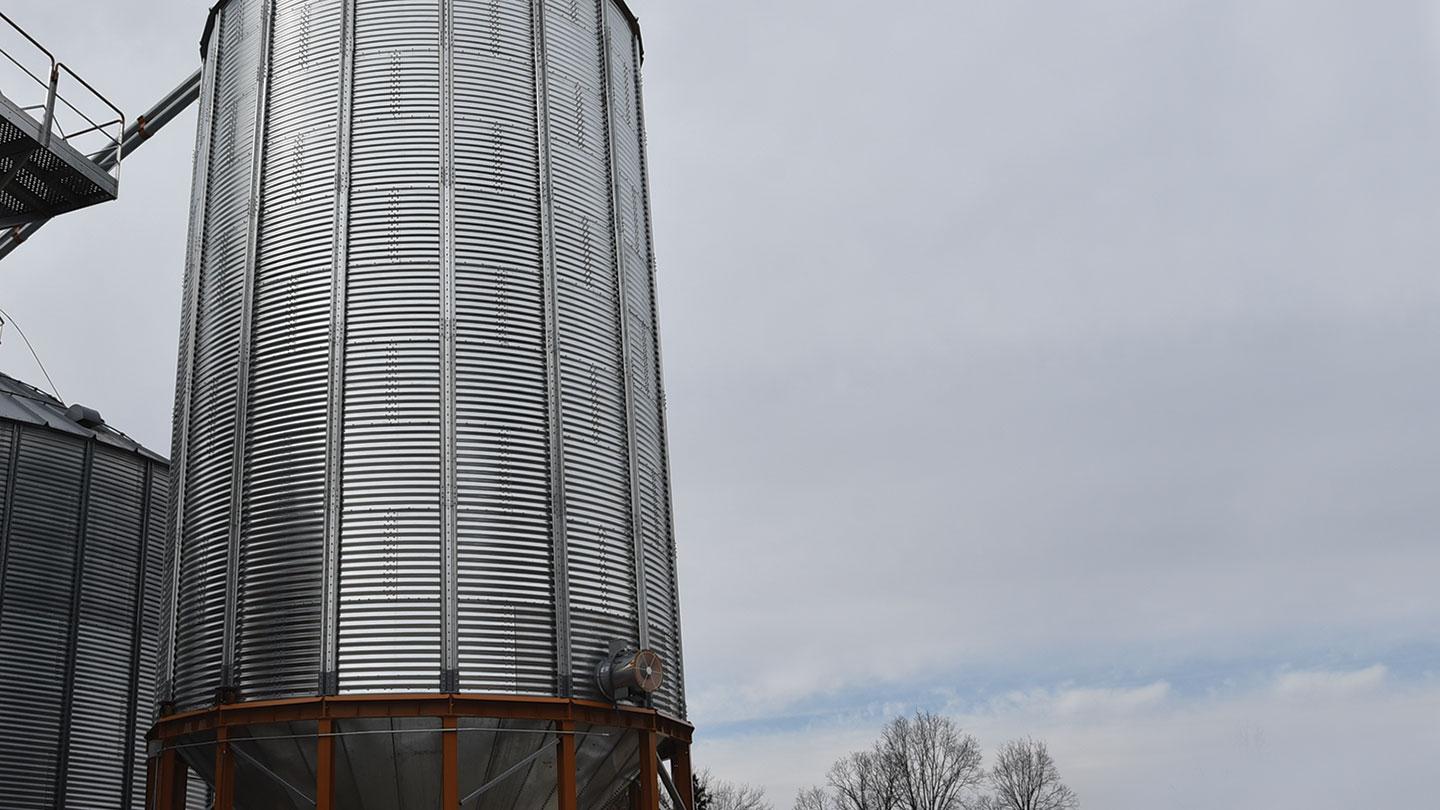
x: 325, y: 768
x: 565, y: 767
x: 450, y: 764
x: 180, y: 784
x: 170, y: 781
x: 649, y: 772
x: 680, y: 772
x: 224, y: 771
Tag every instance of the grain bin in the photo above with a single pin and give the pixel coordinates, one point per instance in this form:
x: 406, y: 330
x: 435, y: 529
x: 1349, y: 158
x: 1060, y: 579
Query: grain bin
x: 82, y: 519
x: 421, y: 485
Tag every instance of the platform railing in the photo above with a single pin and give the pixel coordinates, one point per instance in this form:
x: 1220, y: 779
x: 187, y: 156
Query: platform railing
x: 70, y: 109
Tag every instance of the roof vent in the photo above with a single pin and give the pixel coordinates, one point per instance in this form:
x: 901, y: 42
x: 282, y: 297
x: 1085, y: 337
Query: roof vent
x: 88, y: 417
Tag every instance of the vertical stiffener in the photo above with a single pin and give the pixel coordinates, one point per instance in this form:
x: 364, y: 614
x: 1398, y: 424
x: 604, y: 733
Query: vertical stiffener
x: 420, y: 440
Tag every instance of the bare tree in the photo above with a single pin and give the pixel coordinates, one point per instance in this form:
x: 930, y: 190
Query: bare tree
x: 722, y: 795
x: 701, y: 787
x: 812, y: 798
x: 1025, y: 778
x: 717, y: 794
x: 863, y: 781
x: 730, y: 796
x: 931, y: 762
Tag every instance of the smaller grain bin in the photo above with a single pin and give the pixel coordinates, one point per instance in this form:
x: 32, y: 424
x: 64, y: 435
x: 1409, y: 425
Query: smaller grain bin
x: 82, y: 532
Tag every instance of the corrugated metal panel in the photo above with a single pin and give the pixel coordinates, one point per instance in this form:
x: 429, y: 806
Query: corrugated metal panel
x: 145, y: 695
x: 390, y: 579
x: 633, y: 219
x: 601, y: 558
x: 9, y: 458
x: 285, y: 471
x: 235, y: 562
x: 35, y: 608
x: 507, y: 636
x: 199, y: 796
x: 184, y: 375
x: 100, y: 745
x: 210, y: 443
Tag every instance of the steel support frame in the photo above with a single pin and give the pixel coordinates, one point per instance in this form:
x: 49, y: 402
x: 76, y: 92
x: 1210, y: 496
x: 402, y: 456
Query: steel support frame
x: 224, y: 770
x: 168, y: 787
x: 325, y: 765
x: 450, y: 762
x: 649, y: 778
x: 657, y: 733
x: 567, y: 786
x: 682, y: 773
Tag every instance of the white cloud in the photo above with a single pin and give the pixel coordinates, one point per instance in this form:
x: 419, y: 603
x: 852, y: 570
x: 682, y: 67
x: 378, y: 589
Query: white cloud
x: 1151, y: 746
x: 1071, y: 703
x: 1331, y: 684
x: 1068, y: 703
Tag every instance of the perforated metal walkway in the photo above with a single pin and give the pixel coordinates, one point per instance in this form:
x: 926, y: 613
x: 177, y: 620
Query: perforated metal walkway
x: 42, y: 176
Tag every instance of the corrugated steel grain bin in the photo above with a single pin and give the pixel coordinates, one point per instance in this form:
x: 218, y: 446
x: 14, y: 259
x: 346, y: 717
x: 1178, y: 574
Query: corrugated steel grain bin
x: 420, y: 430
x: 82, y: 519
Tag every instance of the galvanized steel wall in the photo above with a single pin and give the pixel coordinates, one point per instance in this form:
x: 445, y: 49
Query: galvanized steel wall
x: 420, y: 435
x: 81, y: 538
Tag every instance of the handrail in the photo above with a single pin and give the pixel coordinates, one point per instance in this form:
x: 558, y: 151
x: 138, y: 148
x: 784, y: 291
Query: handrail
x: 27, y: 36
x: 16, y: 62
x: 52, y: 94
x: 87, y: 86
x: 120, y: 116
x: 120, y: 121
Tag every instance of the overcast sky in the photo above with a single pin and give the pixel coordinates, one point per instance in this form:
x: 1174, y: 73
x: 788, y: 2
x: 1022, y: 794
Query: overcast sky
x: 1070, y: 368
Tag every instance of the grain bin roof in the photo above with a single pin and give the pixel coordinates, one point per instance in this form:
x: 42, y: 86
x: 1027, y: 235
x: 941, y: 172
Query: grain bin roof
x: 26, y: 404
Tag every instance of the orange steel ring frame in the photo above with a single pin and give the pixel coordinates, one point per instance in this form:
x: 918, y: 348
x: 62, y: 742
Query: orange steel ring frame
x: 660, y: 737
